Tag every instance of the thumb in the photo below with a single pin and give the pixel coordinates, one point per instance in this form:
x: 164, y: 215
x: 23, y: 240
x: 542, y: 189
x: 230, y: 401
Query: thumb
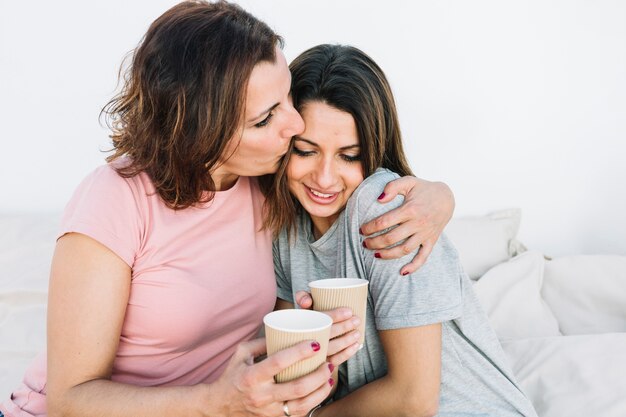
x: 304, y: 300
x: 400, y: 186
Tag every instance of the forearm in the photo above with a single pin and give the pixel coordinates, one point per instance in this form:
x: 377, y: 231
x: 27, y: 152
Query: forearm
x: 112, y: 399
x: 380, y: 398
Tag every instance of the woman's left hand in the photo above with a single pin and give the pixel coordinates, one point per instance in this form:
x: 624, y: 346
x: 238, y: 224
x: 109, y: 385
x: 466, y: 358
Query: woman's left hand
x: 344, y: 337
x: 427, y: 209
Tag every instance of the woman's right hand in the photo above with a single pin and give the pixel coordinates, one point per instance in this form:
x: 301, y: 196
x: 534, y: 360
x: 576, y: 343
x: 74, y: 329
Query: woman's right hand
x: 248, y: 389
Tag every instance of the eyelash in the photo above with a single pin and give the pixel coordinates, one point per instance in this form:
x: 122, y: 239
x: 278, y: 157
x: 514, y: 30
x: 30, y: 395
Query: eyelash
x: 347, y: 158
x: 265, y: 121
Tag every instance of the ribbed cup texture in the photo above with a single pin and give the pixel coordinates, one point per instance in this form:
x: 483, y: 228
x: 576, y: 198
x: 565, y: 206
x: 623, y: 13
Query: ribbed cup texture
x: 325, y: 299
x: 278, y: 340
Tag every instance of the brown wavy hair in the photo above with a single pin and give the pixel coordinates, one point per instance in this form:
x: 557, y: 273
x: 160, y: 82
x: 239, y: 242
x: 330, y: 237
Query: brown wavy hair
x: 184, y: 94
x: 346, y: 78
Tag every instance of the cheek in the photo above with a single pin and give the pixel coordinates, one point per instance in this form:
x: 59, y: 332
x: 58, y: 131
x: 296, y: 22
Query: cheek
x: 298, y: 167
x: 355, y: 176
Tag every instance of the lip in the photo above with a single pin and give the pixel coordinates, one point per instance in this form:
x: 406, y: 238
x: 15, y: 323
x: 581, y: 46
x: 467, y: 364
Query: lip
x: 321, y: 200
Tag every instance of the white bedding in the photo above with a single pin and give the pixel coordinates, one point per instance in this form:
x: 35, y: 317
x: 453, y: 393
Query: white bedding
x: 572, y: 376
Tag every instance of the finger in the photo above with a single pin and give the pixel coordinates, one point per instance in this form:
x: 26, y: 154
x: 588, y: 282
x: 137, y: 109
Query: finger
x: 339, y: 315
x: 393, y: 217
x: 302, y: 406
x: 342, y: 356
x: 419, y: 260
x: 304, y: 300
x: 252, y: 349
x: 399, y: 186
x: 283, y: 359
x: 392, y: 237
x: 407, y: 247
x: 342, y: 342
x: 342, y: 327
x: 304, y: 388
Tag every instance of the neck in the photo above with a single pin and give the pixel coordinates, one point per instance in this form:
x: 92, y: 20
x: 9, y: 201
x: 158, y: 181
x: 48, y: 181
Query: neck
x: 322, y: 224
x: 223, y: 180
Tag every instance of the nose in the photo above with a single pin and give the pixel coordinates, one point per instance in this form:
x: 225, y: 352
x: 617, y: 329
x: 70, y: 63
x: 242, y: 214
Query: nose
x: 295, y: 123
x: 325, y: 173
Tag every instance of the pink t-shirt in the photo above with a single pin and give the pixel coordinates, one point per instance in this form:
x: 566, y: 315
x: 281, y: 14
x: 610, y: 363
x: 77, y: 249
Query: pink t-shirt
x: 202, y: 280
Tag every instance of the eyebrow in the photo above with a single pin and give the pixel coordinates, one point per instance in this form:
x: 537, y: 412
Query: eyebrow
x: 263, y: 113
x: 310, y: 142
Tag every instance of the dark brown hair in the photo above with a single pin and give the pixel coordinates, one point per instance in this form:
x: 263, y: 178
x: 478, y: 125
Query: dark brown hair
x: 347, y: 79
x: 184, y: 96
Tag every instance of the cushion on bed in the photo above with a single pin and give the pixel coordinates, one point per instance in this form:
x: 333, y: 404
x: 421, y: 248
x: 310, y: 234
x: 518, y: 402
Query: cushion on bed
x: 510, y: 293
x: 587, y: 293
x: 485, y: 241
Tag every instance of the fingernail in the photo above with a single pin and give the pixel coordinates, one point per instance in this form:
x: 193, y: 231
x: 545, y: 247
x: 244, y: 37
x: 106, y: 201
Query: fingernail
x: 380, y: 197
x: 405, y: 273
x: 364, y: 245
x: 356, y: 335
x: 377, y: 255
x: 316, y: 346
x: 356, y: 321
x: 331, y: 367
x: 331, y: 382
x: 360, y: 231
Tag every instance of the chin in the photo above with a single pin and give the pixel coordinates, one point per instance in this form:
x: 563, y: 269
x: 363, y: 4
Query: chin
x: 322, y: 213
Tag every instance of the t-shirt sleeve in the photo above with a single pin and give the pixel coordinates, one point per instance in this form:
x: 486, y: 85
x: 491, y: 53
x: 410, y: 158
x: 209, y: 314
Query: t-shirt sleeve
x: 432, y: 294
x: 105, y: 207
x: 283, y: 282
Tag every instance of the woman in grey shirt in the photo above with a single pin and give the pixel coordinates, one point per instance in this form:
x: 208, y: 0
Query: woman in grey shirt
x: 429, y: 349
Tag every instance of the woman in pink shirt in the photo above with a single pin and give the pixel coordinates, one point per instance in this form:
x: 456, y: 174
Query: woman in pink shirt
x: 163, y: 270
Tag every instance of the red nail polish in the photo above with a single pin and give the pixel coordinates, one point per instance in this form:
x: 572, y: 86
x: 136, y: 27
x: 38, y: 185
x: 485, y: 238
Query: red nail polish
x: 380, y: 197
x: 364, y: 245
x: 405, y: 273
x: 331, y: 382
x: 377, y: 255
x: 331, y: 367
x: 316, y: 346
x: 360, y: 231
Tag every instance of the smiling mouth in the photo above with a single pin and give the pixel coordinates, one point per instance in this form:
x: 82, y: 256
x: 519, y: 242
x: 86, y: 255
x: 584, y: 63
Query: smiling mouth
x: 319, y: 197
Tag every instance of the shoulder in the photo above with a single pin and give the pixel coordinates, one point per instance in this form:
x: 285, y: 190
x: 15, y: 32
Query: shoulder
x: 287, y: 241
x: 373, y: 185
x: 105, y: 182
x: 111, y: 209
x: 363, y: 202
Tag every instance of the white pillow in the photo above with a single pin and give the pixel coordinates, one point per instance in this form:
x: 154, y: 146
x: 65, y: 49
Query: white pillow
x: 485, y: 241
x: 587, y: 293
x: 510, y: 293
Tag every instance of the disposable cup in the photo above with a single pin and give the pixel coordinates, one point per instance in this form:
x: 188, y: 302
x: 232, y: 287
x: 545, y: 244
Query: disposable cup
x: 286, y: 328
x: 332, y: 293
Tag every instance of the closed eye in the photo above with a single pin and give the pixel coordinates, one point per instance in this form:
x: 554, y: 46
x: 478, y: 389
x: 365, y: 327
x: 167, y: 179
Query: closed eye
x: 351, y: 158
x: 302, y: 153
x: 265, y: 121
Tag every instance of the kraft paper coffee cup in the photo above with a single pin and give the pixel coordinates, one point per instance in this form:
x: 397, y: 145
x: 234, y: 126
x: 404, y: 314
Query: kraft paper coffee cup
x: 332, y: 293
x: 286, y: 328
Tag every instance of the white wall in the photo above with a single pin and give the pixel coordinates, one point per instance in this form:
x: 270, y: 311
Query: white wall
x: 512, y: 103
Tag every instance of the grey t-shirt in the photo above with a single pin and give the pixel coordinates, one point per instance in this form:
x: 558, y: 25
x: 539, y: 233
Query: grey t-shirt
x: 475, y: 377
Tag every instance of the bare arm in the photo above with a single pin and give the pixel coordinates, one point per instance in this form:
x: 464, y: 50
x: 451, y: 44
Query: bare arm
x: 427, y: 209
x: 89, y: 291
x: 411, y: 386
